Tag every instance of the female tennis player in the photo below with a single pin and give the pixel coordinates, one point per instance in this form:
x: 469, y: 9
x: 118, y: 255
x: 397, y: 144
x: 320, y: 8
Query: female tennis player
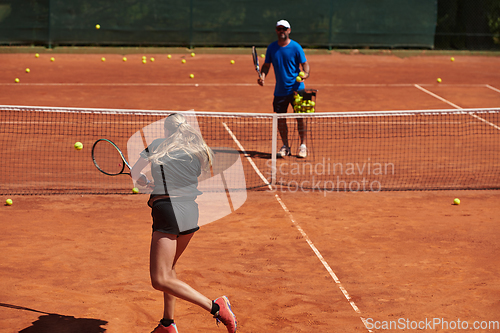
x: 176, y: 162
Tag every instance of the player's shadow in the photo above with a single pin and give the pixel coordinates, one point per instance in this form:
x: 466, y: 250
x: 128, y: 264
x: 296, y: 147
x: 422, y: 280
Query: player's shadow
x: 56, y: 323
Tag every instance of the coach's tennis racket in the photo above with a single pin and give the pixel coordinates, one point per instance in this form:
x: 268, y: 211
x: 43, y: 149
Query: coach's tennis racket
x: 109, y: 159
x: 255, y: 60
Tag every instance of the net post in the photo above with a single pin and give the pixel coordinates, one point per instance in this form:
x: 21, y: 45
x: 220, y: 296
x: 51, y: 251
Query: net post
x: 274, y: 149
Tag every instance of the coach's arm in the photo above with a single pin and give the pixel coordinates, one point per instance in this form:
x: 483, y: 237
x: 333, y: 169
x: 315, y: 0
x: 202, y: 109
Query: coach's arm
x: 263, y: 72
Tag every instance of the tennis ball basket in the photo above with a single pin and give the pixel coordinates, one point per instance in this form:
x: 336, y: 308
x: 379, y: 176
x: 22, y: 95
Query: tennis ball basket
x: 305, y: 101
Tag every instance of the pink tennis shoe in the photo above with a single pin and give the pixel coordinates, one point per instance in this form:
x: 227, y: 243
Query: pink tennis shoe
x: 225, y: 315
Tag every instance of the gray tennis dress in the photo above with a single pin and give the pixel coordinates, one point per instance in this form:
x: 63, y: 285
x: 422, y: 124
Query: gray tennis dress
x: 177, y: 178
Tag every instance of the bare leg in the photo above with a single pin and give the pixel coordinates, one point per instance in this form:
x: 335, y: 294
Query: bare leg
x: 302, y: 127
x: 283, y: 129
x: 165, y: 251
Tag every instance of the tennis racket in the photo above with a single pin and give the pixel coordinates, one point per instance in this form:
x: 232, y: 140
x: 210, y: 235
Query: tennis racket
x: 109, y: 159
x: 255, y: 60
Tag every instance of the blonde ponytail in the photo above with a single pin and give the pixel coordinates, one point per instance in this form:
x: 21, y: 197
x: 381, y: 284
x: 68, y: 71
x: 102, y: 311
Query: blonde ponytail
x: 183, y: 137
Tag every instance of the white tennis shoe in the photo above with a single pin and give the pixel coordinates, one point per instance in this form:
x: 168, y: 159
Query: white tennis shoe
x: 302, y: 151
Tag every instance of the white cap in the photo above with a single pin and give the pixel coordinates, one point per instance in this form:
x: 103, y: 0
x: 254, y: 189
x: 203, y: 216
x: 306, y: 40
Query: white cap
x: 283, y: 23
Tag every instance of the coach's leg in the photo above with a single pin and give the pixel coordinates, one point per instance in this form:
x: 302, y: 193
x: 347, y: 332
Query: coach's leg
x: 283, y: 129
x: 302, y: 128
x: 165, y: 251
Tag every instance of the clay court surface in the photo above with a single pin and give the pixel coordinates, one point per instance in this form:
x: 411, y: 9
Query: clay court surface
x: 73, y: 263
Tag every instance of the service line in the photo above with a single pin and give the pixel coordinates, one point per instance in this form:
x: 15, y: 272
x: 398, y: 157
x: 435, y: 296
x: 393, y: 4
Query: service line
x: 457, y: 107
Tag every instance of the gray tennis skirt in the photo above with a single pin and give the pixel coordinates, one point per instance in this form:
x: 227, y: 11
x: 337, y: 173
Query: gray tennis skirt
x: 178, y: 217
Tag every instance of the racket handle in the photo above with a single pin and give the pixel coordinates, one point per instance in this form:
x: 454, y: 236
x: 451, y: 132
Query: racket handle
x: 142, y: 180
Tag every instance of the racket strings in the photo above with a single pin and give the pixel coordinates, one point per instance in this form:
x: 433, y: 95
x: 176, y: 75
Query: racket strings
x: 107, y: 158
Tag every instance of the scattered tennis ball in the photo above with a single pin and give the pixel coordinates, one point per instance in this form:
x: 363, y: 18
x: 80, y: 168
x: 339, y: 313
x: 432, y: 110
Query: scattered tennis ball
x: 298, y: 79
x: 78, y: 145
x: 232, y: 62
x: 191, y: 76
x: 52, y: 59
x: 103, y: 59
x: 169, y: 56
x: 152, y: 59
x: 456, y: 201
x: 98, y: 26
x: 144, y: 57
x: 124, y: 58
x: 302, y: 74
x: 27, y: 70
x: 439, y: 80
x: 262, y: 56
x: 192, y: 54
x: 135, y: 190
x: 36, y: 55
x: 16, y: 80
x: 8, y: 202
x: 452, y: 59
x: 183, y: 61
x: 144, y: 61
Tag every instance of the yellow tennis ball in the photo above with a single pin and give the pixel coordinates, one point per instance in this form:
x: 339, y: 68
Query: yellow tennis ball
x: 191, y: 76
x: 124, y: 58
x: 169, y: 56
x: 78, y: 145
x: 144, y: 61
x: 144, y: 57
x: 27, y: 70
x: 152, y: 59
x: 232, y: 62
x: 98, y: 26
x: 439, y: 80
x: 183, y: 61
x: 192, y: 54
x: 302, y: 74
x: 52, y: 59
x: 103, y: 59
x: 36, y: 55
x: 456, y: 201
x: 8, y: 202
x: 262, y: 56
x: 16, y: 80
x: 452, y: 59
x: 135, y: 190
x: 298, y: 79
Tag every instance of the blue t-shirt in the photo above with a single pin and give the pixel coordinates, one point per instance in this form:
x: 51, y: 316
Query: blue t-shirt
x: 286, y: 62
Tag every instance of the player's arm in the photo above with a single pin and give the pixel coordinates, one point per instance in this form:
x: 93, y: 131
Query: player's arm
x: 263, y: 73
x: 306, y: 69
x: 136, y: 172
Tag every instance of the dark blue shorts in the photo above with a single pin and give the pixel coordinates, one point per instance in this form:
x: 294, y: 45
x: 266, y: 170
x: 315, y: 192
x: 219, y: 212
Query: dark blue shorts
x: 280, y: 103
x: 176, y: 218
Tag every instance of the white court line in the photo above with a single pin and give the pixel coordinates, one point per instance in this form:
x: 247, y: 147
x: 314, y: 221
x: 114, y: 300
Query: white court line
x: 131, y: 84
x: 166, y: 84
x: 492, y: 88
x: 246, y: 155
x: 438, y: 97
x: 456, y: 106
x: 302, y: 232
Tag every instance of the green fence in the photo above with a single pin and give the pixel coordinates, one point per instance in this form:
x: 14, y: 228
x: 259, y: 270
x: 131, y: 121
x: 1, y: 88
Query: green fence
x: 468, y: 24
x: 319, y: 23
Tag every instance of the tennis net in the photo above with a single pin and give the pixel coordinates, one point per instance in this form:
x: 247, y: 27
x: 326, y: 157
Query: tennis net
x: 354, y: 151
